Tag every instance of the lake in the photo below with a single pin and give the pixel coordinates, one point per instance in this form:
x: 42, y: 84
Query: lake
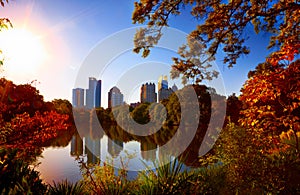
x: 63, y: 162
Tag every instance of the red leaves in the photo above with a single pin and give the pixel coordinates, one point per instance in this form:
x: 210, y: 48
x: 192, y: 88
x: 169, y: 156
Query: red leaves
x: 35, y: 130
x: 25, y: 122
x: 272, y: 101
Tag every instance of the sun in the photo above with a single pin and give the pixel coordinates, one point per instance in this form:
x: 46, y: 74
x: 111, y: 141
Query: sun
x: 23, y: 52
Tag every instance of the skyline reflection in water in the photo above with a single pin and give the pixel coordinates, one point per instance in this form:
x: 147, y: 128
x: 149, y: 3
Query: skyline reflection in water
x: 59, y: 163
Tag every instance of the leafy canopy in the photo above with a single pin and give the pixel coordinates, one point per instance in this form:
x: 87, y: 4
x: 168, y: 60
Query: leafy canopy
x: 272, y: 102
x: 221, y: 25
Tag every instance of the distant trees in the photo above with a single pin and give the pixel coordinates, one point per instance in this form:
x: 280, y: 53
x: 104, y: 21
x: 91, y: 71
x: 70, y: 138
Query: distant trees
x: 222, y: 26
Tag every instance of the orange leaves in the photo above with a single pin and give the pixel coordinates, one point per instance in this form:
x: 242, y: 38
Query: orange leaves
x: 272, y: 101
x: 37, y: 129
x: 26, y: 123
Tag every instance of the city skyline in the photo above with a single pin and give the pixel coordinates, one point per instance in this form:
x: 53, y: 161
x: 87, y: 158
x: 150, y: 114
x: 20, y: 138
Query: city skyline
x: 92, y: 95
x: 115, y: 97
x: 58, y: 26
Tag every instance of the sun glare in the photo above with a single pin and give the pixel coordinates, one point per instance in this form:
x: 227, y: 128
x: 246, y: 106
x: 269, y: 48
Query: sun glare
x: 23, y: 51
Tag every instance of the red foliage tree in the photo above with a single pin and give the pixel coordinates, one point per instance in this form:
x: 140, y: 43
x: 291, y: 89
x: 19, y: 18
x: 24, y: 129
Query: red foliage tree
x: 272, y: 103
x: 26, y: 121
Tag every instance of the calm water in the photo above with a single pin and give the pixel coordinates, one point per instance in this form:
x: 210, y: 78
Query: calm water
x: 62, y: 162
x: 58, y: 163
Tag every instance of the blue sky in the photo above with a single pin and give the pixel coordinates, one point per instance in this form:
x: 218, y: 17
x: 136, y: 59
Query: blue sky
x: 71, y: 29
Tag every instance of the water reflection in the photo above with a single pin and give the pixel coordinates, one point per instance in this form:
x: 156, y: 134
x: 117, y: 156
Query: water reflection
x: 148, y: 150
x: 76, y: 146
x: 114, y: 147
x: 92, y: 144
x: 92, y: 149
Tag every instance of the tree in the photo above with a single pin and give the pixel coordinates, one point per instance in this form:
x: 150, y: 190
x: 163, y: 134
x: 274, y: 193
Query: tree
x: 233, y: 108
x: 261, y: 68
x: 26, y: 122
x: 62, y: 106
x: 222, y: 25
x: 272, y: 103
x: 251, y: 171
x: 141, y: 113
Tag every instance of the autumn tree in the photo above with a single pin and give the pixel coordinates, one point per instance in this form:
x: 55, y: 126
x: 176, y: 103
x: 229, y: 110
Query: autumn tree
x: 262, y: 68
x: 26, y: 122
x: 222, y: 25
x: 272, y: 103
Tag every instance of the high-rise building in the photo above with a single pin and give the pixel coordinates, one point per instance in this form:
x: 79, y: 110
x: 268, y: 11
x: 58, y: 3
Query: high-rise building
x: 78, y: 97
x: 162, y: 82
x: 115, y: 97
x: 98, y: 94
x: 148, y: 93
x: 163, y: 91
x: 90, y: 93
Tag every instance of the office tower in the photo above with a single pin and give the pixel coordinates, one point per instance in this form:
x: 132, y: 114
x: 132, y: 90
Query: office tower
x: 162, y: 82
x: 148, y: 93
x: 98, y: 94
x: 78, y: 97
x: 90, y: 93
x: 163, y: 91
x: 115, y: 97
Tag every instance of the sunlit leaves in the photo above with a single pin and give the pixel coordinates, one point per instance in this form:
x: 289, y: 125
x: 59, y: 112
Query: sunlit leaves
x: 223, y: 28
x: 272, y: 101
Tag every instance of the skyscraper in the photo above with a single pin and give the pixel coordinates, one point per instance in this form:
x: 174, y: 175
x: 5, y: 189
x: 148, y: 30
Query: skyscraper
x: 98, y: 94
x: 78, y: 97
x: 162, y: 82
x: 148, y: 93
x: 163, y: 91
x: 90, y: 93
x: 115, y: 97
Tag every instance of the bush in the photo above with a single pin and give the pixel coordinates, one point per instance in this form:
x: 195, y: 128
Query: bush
x: 16, y: 177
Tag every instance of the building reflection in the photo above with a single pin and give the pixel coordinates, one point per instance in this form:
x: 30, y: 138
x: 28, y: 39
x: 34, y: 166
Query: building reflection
x: 148, y: 150
x: 114, y: 147
x: 92, y: 150
x: 76, y: 146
